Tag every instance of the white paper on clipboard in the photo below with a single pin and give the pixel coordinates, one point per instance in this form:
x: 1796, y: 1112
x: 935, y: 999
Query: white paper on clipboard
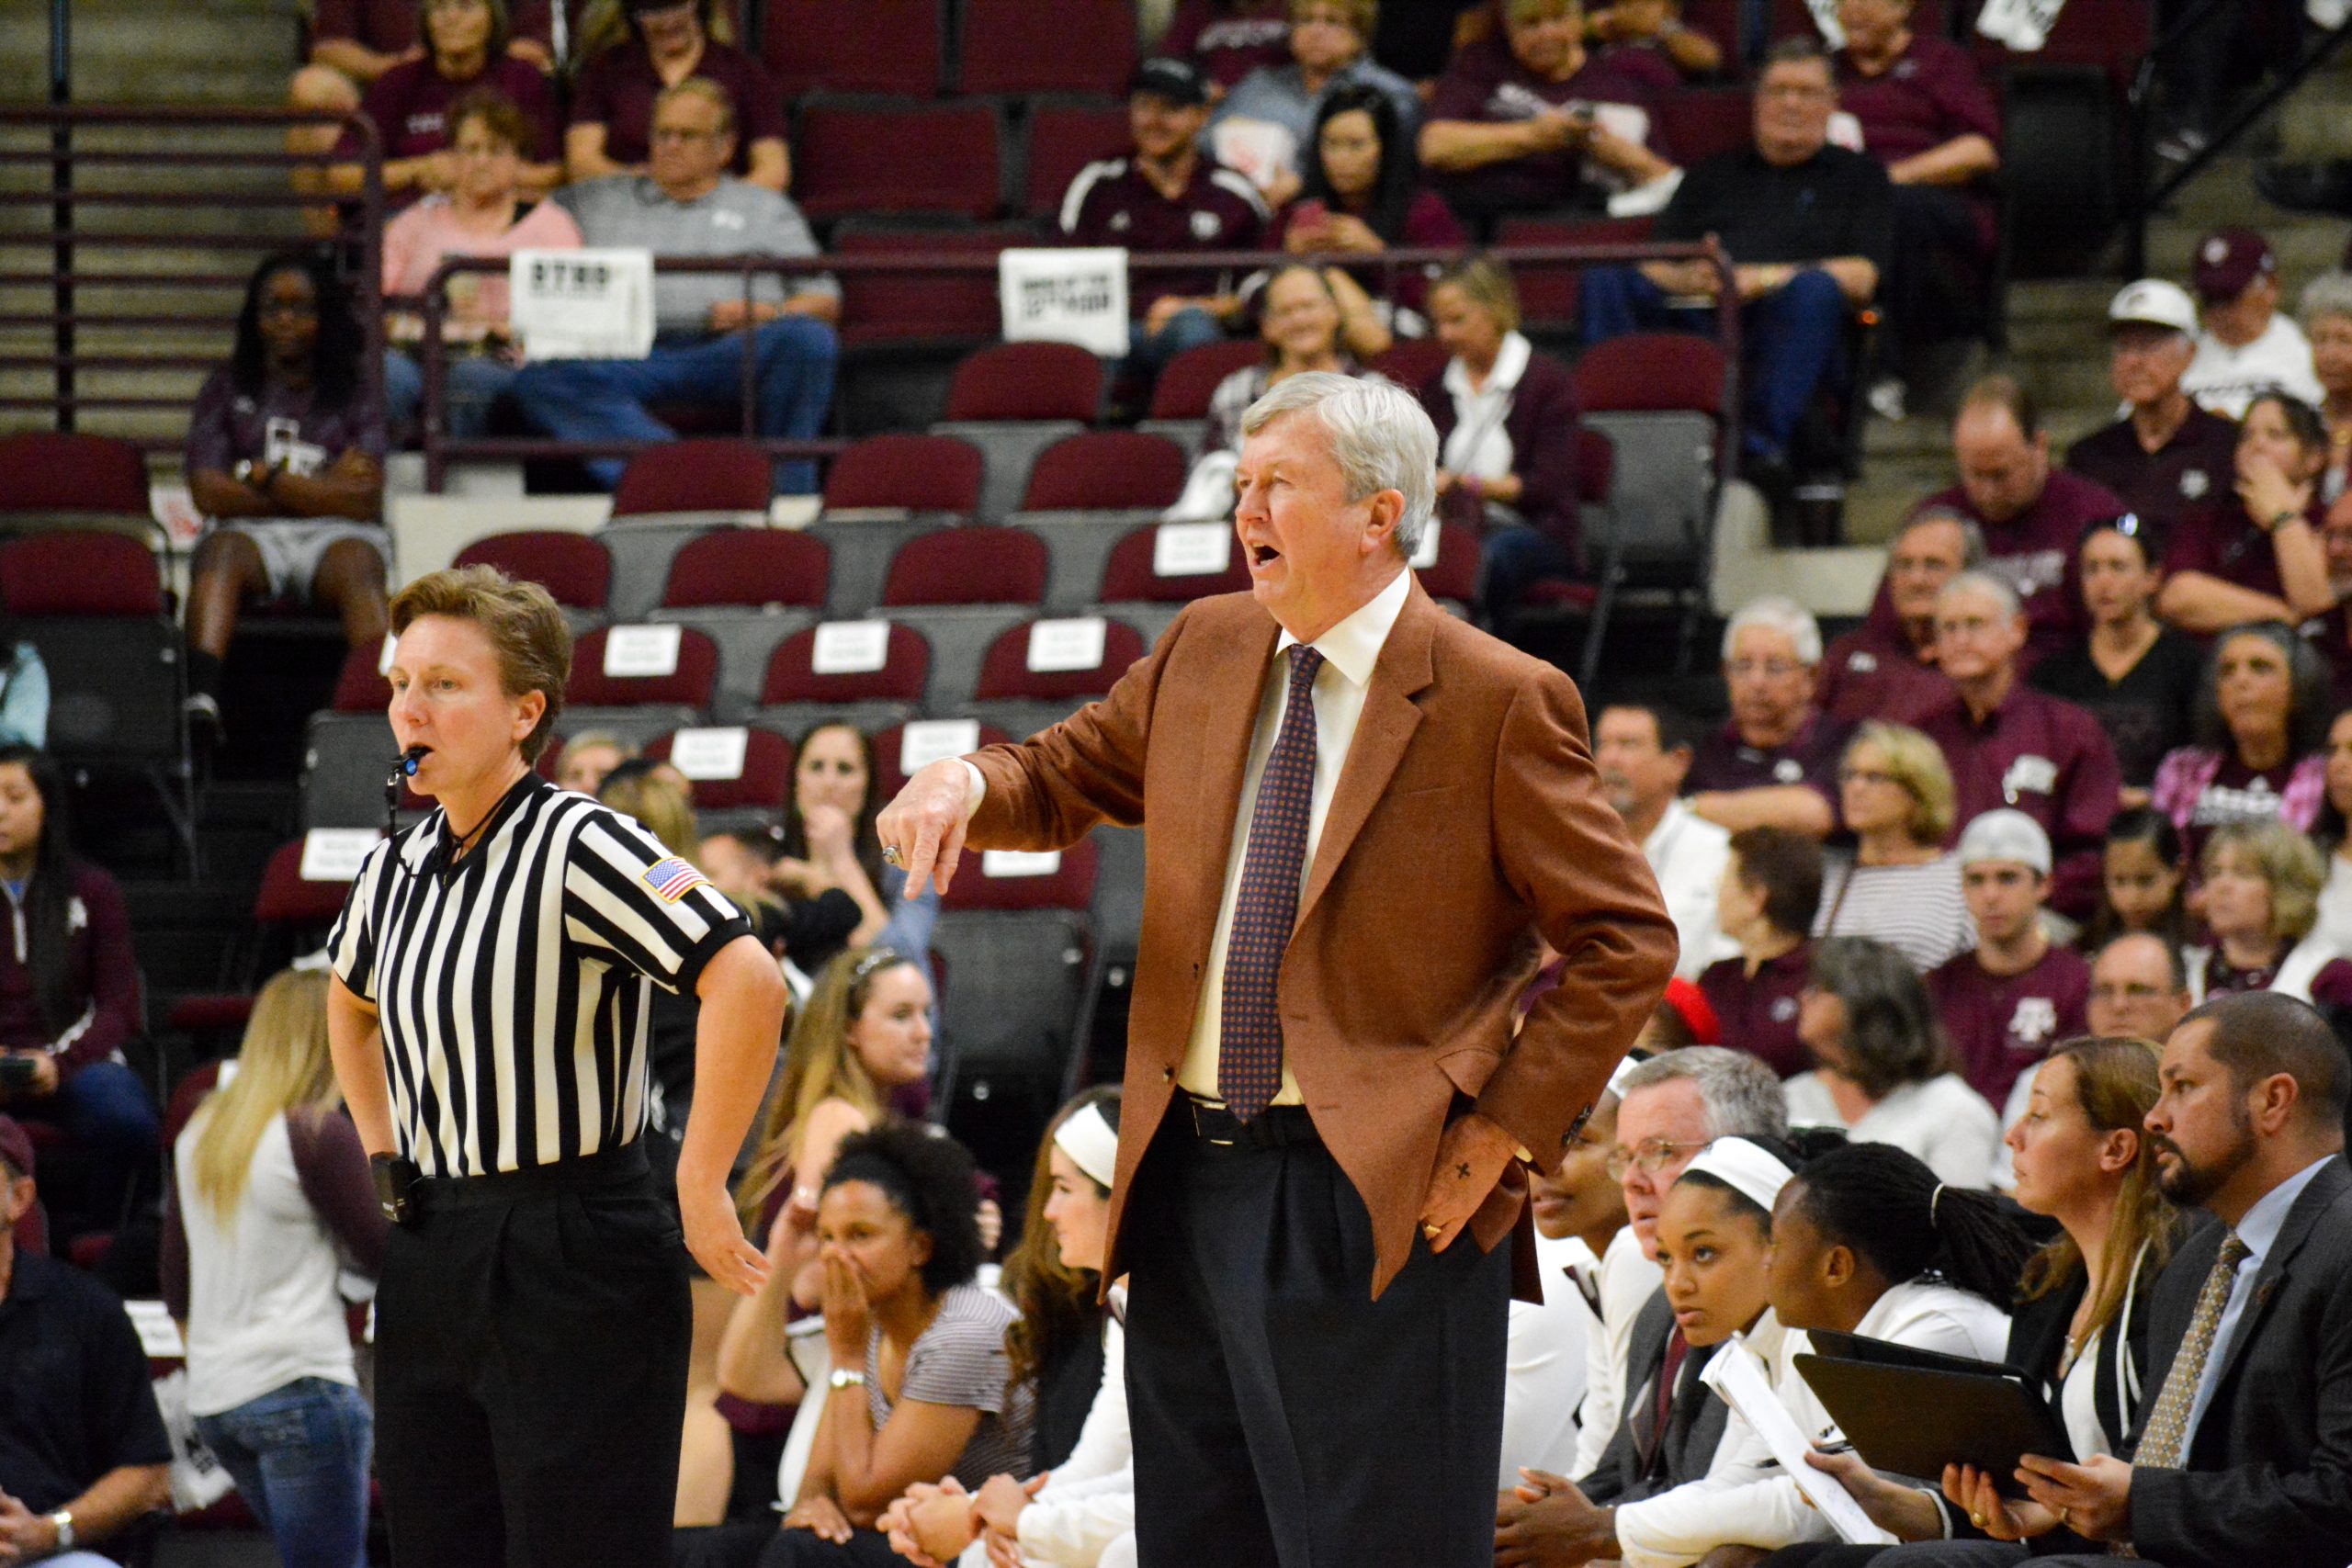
x: 1736, y: 1374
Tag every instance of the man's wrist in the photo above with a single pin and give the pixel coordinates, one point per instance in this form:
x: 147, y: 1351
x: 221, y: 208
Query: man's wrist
x: 62, y: 1535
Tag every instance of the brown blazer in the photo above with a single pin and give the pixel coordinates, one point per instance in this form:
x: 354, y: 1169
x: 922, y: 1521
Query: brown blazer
x: 1468, y: 813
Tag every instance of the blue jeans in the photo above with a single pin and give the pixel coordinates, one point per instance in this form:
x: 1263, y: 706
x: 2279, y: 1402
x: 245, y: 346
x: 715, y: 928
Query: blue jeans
x: 469, y: 384
x: 605, y: 399
x: 299, y: 1455
x: 1149, y: 353
x: 1790, y: 340
x: 111, y: 1121
x: 1514, y: 559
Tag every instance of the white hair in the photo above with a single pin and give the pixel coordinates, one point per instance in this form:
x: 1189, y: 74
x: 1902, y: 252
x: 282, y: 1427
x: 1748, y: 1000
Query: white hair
x: 1983, y: 582
x: 1777, y: 612
x: 1380, y: 436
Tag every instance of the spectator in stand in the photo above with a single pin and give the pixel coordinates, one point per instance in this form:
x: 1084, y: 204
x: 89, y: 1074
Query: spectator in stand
x: 1643, y: 751
x: 2329, y: 833
x: 1886, y: 668
x: 1167, y: 195
x: 2138, y: 987
x: 2010, y: 745
x: 1808, y: 224
x: 1927, y: 117
x: 412, y: 106
x: 2166, y: 459
x: 2018, y: 993
x: 831, y: 851
x: 84, y: 1456
x: 69, y: 1001
x: 1265, y: 125
x: 2259, y: 557
x: 1361, y: 194
x: 1304, y: 318
x: 483, y: 213
x: 1902, y: 885
x: 1885, y: 1069
x: 2260, y: 737
x: 2246, y: 346
x: 2033, y: 515
x: 2326, y: 313
x: 1768, y: 897
x: 1533, y: 122
x: 617, y: 101
x: 1227, y: 39
x: 2136, y: 675
x: 2262, y: 882
x: 2144, y: 883
x: 1648, y: 34
x: 1506, y: 417
x: 285, y: 460
x: 588, y: 756
x: 270, y: 1199
x: 687, y: 204
x: 1774, y: 764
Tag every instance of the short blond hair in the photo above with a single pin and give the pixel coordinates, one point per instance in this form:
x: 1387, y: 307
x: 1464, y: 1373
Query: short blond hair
x: 1917, y: 764
x: 529, y: 632
x: 1486, y: 283
x: 2285, y: 860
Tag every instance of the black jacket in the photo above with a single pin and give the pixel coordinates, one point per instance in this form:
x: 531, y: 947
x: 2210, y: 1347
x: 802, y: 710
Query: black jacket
x: 1694, y: 1424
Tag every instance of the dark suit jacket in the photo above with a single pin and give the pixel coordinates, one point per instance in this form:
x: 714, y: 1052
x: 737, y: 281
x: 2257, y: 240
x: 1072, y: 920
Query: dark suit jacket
x: 2269, y: 1475
x: 1468, y: 813
x: 1694, y: 1424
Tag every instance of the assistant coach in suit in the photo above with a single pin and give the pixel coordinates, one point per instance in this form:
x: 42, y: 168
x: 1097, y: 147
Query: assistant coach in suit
x: 1360, y: 810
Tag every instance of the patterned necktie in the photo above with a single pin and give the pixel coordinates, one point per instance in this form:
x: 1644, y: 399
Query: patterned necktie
x: 1249, y: 1044
x: 2164, y: 1441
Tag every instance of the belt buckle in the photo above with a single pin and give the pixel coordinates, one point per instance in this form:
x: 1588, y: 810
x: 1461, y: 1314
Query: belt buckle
x: 1200, y: 1133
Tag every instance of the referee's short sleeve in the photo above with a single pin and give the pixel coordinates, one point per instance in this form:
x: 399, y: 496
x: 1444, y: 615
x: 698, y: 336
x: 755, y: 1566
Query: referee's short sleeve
x: 627, y: 896
x: 351, y: 946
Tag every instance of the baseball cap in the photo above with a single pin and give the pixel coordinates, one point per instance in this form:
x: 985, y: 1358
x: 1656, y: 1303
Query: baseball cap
x: 2003, y: 834
x: 2227, y: 261
x: 1175, y: 80
x: 2155, y: 303
x: 15, y: 1146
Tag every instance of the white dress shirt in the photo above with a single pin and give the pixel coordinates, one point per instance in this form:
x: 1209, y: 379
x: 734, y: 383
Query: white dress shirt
x: 1947, y: 1124
x: 1628, y: 1279
x: 2259, y: 1230
x: 1543, y: 1371
x: 2223, y: 379
x: 1688, y: 853
x: 1478, y: 445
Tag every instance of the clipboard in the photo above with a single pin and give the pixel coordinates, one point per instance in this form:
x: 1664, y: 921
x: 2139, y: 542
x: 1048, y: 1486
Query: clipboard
x: 1840, y: 1347
x: 1989, y: 1416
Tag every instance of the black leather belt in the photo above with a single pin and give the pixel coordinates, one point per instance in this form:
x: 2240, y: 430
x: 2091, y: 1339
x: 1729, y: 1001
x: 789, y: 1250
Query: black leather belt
x: 587, y: 1173
x: 1276, y: 1127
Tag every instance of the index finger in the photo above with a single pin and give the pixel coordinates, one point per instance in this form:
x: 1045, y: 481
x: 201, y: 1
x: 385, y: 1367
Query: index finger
x: 925, y: 853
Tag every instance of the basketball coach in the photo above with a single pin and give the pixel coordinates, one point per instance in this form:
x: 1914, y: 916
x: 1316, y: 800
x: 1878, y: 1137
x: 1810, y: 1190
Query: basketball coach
x: 1360, y: 810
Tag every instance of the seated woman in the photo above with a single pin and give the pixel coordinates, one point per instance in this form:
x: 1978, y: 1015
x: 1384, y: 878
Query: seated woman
x: 414, y: 105
x: 481, y: 212
x: 652, y: 45
x: 1770, y: 895
x: 831, y: 856
x: 2325, y: 311
x: 2260, y: 724
x: 2144, y: 882
x: 69, y: 1003
x: 1360, y: 194
x: 1885, y: 1073
x: 2329, y: 833
x: 2258, y: 557
x: 2261, y: 885
x: 1533, y: 123
x: 1505, y: 420
x: 1306, y: 319
x: 1227, y: 39
x: 1266, y: 124
x: 2137, y: 675
x: 270, y: 1202
x: 1082, y: 1447
x: 588, y: 756
x: 1902, y: 886
x: 285, y: 460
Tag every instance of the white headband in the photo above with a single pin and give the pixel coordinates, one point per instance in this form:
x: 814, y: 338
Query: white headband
x: 1091, y: 1142
x: 1746, y: 1168
x: 1626, y: 1065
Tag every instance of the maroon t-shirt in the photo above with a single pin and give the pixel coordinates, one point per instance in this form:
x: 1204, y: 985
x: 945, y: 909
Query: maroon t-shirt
x: 617, y: 88
x: 393, y: 27
x: 1111, y: 203
x: 2222, y: 541
x: 1928, y: 96
x: 1759, y: 1012
x: 1487, y: 83
x: 2001, y: 1024
x: 2034, y: 552
x: 1874, y: 672
x: 2046, y: 758
x: 2188, y: 473
x: 410, y: 105
x: 1808, y: 757
x: 227, y: 426
x: 1226, y: 48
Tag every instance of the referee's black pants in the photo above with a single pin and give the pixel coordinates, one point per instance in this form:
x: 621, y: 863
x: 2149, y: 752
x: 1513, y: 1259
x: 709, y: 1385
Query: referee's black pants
x: 531, y: 1343
x: 1280, y: 1416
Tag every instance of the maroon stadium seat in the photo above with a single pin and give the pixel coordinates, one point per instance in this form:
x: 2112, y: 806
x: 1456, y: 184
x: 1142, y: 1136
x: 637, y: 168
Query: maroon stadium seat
x: 1190, y: 379
x: 79, y: 572
x: 921, y: 473
x: 1026, y: 381
x: 1547, y: 292
x: 360, y: 686
x: 967, y: 566
x: 853, y: 45
x: 47, y: 470
x: 1412, y: 361
x: 765, y: 781
x: 792, y: 676
x: 1107, y: 470
x: 749, y: 566
x: 1651, y: 372
x: 710, y: 474
x: 885, y: 306
x: 1128, y: 577
x: 859, y: 158
x: 892, y: 777
x: 1047, y: 46
x: 1005, y: 672
x: 1698, y: 125
x: 574, y: 568
x: 689, y: 685
x: 1064, y: 138
x: 1071, y: 886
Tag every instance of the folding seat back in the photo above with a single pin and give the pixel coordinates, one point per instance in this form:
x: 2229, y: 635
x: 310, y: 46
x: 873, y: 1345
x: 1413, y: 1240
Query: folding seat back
x: 873, y: 158
x: 853, y: 45
x: 1026, y: 381
x: 704, y: 474
x: 1659, y: 398
x: 967, y: 566
x: 1412, y: 361
x: 576, y: 569
x: 1063, y: 139
x: 639, y: 681
x: 749, y: 568
x: 49, y: 472
x: 1172, y: 563
x: 731, y: 767
x: 1036, y: 674
x: 1107, y: 470
x: 92, y: 602
x: 916, y: 473
x: 1184, y: 387
x: 919, y: 303
x: 868, y: 673
x: 1046, y: 46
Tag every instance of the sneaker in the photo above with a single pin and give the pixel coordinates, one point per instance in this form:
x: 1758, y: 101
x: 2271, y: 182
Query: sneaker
x: 1886, y: 398
x: 203, y: 710
x: 2181, y: 147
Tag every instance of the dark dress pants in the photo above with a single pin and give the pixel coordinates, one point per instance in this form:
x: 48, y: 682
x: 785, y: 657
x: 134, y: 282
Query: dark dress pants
x: 531, y: 1370
x: 1280, y: 1416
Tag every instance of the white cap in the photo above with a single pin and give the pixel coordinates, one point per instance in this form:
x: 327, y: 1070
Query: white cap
x: 2003, y: 834
x: 2154, y: 302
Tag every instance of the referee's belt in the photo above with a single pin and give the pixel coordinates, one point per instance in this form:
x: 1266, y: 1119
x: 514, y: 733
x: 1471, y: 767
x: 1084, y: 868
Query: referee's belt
x: 587, y: 1173
x: 1276, y: 1127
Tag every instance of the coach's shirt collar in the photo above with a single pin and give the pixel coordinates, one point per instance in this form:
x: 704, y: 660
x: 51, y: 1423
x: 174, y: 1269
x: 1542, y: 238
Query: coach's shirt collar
x: 1353, y: 646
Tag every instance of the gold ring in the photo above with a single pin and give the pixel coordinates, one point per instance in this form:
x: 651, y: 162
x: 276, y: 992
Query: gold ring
x: 890, y: 855
x: 2061, y: 1515
x: 1432, y: 1232
x: 1976, y: 1519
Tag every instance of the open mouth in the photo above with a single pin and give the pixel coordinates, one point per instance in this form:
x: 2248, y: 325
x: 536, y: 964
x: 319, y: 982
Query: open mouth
x: 1264, y: 555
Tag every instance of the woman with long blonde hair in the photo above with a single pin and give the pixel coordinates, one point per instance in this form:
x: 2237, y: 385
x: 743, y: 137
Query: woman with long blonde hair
x: 270, y: 1202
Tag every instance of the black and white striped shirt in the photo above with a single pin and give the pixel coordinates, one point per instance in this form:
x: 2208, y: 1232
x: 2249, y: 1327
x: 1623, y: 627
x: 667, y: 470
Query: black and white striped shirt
x: 511, y: 986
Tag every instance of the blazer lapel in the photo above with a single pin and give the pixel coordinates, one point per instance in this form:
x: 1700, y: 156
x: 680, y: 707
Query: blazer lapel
x: 1390, y: 715
x: 2325, y: 1188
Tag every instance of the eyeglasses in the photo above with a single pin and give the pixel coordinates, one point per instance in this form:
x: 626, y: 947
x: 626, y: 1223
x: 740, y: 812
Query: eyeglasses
x: 1650, y: 1156
x: 678, y: 133
x: 1778, y: 669
x: 2130, y: 991
x: 1868, y: 775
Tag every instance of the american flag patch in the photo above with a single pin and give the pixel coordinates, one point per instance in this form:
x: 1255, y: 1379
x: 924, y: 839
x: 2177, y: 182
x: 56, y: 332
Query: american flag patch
x: 674, y: 878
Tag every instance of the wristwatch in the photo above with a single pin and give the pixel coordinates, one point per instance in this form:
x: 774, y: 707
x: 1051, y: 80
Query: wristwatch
x: 843, y: 1378
x: 61, y: 1522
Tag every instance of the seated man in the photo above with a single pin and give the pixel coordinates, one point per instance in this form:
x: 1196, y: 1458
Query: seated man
x: 2032, y: 516
x: 1886, y: 668
x: 2005, y: 1003
x: 1167, y: 195
x: 2165, y: 457
x: 689, y: 207
x: 2248, y: 345
x: 1774, y: 764
x: 1530, y: 122
x: 1807, y: 225
x: 2008, y: 744
x: 1644, y: 752
x: 82, y: 1451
